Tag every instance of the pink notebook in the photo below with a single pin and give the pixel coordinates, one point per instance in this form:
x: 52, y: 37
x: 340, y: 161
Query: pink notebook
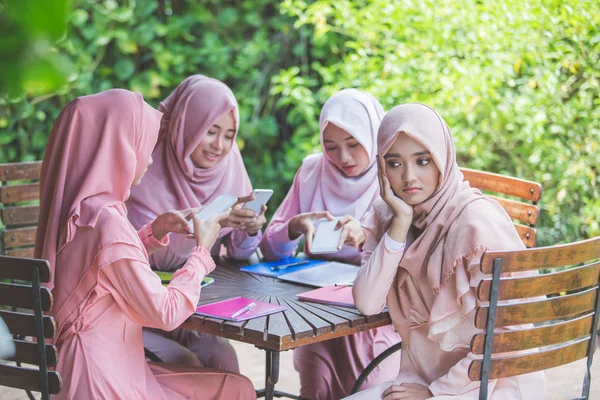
x: 226, y: 309
x: 334, y: 295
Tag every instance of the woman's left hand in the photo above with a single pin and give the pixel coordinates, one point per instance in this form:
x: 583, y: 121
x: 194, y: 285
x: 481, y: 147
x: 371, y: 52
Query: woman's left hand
x: 253, y: 227
x: 172, y: 221
x: 352, y: 232
x: 408, y: 391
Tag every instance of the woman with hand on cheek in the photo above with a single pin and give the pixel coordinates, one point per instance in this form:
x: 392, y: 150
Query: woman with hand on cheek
x: 339, y: 182
x: 196, y: 159
x: 425, y: 238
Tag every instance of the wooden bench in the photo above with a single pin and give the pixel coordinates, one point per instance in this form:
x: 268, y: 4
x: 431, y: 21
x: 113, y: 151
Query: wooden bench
x: 565, y: 325
x: 19, y: 207
x: 24, y: 324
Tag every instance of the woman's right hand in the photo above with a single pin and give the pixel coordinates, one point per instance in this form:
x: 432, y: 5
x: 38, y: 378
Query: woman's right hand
x: 398, y: 206
x: 304, y: 224
x: 207, y: 231
x: 403, y: 213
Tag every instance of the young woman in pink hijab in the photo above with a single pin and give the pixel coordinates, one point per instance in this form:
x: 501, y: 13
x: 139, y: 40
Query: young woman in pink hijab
x: 339, y: 182
x: 425, y: 239
x: 196, y: 159
x: 104, y: 290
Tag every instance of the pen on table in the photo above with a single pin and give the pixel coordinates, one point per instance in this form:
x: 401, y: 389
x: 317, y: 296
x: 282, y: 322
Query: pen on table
x: 239, y: 312
x: 284, y: 266
x: 344, y: 284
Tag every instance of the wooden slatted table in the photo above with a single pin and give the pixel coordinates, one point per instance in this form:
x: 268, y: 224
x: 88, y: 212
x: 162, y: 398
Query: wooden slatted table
x: 301, y: 324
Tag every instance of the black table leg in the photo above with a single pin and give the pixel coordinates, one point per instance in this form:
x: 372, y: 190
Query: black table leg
x: 272, y: 373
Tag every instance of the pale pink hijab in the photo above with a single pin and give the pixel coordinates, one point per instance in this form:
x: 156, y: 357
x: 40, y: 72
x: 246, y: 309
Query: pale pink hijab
x: 450, y: 226
x: 97, y: 146
x: 323, y: 187
x: 172, y: 181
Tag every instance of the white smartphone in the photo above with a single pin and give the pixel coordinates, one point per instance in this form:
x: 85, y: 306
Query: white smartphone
x: 218, y: 205
x: 326, y: 238
x: 261, y: 196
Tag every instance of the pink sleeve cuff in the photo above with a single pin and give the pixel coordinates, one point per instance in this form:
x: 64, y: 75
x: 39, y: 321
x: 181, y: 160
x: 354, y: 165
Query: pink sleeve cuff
x: 280, y: 239
x: 150, y: 242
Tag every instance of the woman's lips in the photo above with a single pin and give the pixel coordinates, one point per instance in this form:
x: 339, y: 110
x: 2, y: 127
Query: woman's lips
x: 211, y: 156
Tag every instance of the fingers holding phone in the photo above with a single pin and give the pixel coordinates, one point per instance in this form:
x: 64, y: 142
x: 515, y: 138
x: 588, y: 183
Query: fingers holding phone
x: 206, y: 231
x: 352, y: 232
x: 256, y: 225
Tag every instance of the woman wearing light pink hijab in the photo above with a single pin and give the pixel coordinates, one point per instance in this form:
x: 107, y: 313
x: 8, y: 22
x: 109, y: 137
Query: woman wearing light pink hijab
x: 342, y: 182
x: 196, y: 159
x: 104, y: 290
x: 425, y: 239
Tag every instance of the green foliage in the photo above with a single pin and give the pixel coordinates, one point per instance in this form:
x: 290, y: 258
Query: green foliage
x: 518, y: 82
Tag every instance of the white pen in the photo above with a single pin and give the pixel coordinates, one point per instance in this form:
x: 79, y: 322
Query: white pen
x: 344, y: 284
x: 239, y: 312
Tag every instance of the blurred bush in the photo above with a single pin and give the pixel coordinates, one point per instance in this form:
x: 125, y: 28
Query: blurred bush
x: 518, y: 82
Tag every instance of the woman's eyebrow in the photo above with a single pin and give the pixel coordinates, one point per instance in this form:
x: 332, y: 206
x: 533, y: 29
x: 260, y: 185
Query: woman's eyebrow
x: 392, y: 155
x: 349, y: 138
x: 421, y: 153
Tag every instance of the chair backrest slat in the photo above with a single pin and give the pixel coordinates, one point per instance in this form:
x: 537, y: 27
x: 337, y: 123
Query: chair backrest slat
x: 525, y: 339
x: 563, y: 281
x: 19, y: 237
x: 20, y: 296
x: 535, y: 259
x: 539, y: 310
x: 18, y: 193
x: 26, y: 352
x: 523, y: 212
x: 22, y: 269
x: 19, y: 323
x: 24, y: 215
x: 28, y: 378
x: 524, y: 189
x: 503, y: 367
x: 20, y: 171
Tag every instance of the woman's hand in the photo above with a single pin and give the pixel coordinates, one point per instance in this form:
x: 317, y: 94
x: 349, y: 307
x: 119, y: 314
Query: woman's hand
x: 304, y: 224
x: 172, y: 221
x: 403, y: 213
x: 257, y: 223
x: 240, y: 217
x: 409, y: 391
x: 207, y: 231
x: 398, y: 206
x: 352, y: 232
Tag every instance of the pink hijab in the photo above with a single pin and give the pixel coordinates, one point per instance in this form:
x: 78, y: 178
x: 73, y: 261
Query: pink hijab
x: 322, y: 185
x: 189, y: 112
x: 97, y: 146
x: 450, y: 226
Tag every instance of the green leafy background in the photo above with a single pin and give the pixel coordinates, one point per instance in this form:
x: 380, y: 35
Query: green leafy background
x: 518, y: 82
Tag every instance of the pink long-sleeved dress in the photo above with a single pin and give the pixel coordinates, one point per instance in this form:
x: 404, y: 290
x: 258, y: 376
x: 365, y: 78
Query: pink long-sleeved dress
x: 328, y: 370
x: 101, y: 355
x: 438, y: 356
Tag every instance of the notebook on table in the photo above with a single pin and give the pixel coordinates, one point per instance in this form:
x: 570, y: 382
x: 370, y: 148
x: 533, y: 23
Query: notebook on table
x: 226, y: 309
x: 327, y: 274
x: 281, y: 267
x: 333, y: 295
x: 165, y: 278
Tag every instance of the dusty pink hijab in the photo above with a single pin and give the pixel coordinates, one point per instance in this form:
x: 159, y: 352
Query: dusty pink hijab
x: 172, y: 181
x: 97, y: 146
x: 450, y: 226
x: 322, y: 185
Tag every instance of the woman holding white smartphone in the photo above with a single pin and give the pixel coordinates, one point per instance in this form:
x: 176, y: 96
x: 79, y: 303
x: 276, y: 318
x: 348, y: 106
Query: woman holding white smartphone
x: 195, y: 161
x: 341, y: 182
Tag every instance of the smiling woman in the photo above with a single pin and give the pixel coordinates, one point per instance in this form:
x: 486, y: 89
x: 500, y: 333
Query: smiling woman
x: 216, y: 144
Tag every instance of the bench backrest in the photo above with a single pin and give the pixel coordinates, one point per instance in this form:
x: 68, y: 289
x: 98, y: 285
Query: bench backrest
x: 563, y: 306
x: 519, y: 198
x: 19, y: 202
x: 21, y: 307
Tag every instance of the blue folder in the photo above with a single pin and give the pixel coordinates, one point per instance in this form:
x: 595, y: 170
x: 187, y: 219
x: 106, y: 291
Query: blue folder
x: 269, y: 268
